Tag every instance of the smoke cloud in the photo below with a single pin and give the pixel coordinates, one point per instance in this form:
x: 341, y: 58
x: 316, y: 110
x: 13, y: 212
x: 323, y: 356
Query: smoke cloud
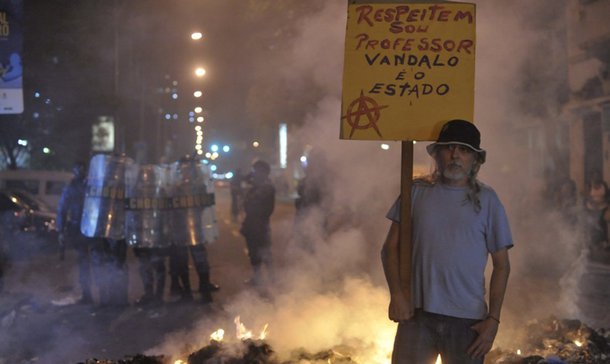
x: 520, y: 72
x: 330, y: 288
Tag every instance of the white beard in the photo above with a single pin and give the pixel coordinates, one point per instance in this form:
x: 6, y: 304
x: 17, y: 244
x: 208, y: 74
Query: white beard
x: 454, y: 173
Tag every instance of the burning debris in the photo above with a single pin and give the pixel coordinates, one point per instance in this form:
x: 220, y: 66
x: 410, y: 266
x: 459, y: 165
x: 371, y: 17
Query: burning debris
x: 248, y: 349
x: 137, y: 359
x: 549, y: 341
x: 251, y: 351
x: 557, y: 341
x: 259, y: 352
x: 246, y: 352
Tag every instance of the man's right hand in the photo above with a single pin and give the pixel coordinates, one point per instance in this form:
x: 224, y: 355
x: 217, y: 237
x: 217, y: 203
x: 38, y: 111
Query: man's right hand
x: 400, y: 308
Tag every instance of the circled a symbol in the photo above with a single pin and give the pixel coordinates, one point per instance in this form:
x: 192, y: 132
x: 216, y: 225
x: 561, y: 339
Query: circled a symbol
x: 363, y: 106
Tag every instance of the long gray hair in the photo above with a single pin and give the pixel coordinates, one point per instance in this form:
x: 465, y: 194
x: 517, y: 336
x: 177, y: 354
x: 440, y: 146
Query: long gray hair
x: 474, y: 191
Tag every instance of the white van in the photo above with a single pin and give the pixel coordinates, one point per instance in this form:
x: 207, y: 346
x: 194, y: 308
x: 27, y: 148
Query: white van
x: 47, y: 185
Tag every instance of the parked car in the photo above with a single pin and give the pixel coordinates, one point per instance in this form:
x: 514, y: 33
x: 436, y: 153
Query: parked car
x: 21, y: 211
x: 45, y: 185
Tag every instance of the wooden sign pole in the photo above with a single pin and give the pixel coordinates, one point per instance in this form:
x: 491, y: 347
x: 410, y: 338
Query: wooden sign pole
x: 405, y: 244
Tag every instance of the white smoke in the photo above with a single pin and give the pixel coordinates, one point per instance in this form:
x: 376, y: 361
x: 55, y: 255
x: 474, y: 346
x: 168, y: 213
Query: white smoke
x: 336, y: 294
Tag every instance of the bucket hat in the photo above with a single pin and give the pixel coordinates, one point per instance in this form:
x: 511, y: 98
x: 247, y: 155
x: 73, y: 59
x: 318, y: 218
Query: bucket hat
x: 459, y: 132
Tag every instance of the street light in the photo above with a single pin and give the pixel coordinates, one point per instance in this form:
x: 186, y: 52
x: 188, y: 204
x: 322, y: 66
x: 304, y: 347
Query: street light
x: 200, y: 71
x: 197, y: 93
x: 196, y: 36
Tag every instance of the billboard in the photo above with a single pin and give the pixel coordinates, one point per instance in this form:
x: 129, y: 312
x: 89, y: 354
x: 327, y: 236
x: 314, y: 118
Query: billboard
x: 11, y: 44
x: 409, y: 68
x: 102, y: 133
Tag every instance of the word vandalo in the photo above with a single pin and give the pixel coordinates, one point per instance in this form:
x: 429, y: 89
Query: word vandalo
x: 411, y: 60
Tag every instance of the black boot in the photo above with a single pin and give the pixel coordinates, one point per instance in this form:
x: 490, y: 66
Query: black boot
x: 212, y: 287
x: 204, y: 287
x: 186, y: 293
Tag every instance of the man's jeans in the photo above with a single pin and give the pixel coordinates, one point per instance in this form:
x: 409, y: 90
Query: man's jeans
x: 421, y: 339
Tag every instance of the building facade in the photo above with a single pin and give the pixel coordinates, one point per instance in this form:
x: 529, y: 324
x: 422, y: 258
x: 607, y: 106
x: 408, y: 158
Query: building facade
x: 588, y: 108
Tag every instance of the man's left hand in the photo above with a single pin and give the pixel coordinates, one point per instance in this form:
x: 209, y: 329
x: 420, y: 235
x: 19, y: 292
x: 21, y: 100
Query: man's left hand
x: 487, y: 330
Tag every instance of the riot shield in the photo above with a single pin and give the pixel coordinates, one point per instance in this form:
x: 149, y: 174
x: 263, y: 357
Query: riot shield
x: 146, y: 207
x: 103, y: 211
x: 210, y: 225
x: 189, y: 198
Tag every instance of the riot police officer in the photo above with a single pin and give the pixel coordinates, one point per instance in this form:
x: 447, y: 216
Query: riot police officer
x: 68, y: 222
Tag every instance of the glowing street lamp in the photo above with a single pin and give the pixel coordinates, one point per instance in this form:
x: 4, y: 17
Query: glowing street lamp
x: 200, y: 72
x: 197, y: 93
x: 256, y: 144
x: 196, y: 36
x: 198, y: 110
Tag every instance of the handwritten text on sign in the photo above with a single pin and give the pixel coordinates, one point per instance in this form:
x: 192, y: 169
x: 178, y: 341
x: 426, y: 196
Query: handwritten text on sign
x: 408, y: 69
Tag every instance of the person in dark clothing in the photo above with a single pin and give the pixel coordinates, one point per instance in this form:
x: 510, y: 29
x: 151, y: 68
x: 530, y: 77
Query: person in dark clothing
x: 152, y: 272
x: 68, y: 221
x: 237, y: 194
x: 179, y: 272
x: 189, y: 232
x: 114, y: 280
x: 180, y: 285
x: 259, y: 203
x: 597, y: 201
x: 199, y: 253
x: 312, y: 205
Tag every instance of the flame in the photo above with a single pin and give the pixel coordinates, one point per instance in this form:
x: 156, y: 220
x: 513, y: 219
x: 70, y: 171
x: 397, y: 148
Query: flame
x: 438, y: 360
x: 518, y: 351
x: 218, y: 335
x: 240, y: 330
x: 264, y: 332
x: 179, y: 362
x: 379, y: 352
x: 578, y: 343
x: 243, y: 333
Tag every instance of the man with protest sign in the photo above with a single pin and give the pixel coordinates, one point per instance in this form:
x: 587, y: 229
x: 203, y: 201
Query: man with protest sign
x: 456, y: 223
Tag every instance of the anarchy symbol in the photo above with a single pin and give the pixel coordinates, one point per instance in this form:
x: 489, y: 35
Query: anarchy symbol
x: 363, y: 106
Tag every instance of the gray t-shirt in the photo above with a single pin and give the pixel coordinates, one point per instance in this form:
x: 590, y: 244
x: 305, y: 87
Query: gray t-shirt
x: 451, y: 242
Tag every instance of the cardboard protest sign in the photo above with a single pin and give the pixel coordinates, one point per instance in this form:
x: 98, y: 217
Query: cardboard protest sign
x: 409, y: 68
